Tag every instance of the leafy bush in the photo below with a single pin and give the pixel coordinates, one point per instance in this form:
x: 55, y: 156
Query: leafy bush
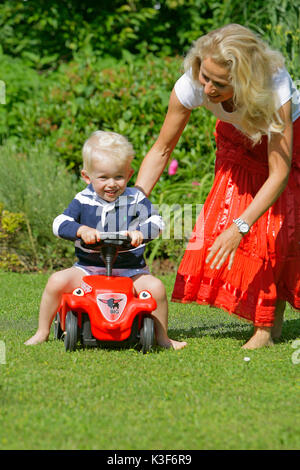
x: 129, y: 97
x: 43, y: 32
x: 95, y: 82
x: 10, y: 225
x: 49, y: 123
x: 59, y: 29
x: 35, y: 188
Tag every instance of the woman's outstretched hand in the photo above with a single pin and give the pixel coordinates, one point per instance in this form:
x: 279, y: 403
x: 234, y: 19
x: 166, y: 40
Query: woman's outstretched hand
x: 224, y: 246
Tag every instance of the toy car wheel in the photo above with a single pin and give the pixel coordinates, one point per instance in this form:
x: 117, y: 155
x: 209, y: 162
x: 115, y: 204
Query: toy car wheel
x: 147, y: 334
x: 71, y: 336
x: 58, y: 332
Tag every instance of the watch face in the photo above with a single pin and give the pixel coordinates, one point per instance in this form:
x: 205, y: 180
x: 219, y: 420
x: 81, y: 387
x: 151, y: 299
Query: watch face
x: 244, y: 228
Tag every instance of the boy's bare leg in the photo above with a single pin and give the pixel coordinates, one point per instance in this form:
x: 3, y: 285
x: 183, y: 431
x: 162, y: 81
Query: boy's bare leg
x: 60, y: 282
x: 157, y: 289
x: 279, y: 314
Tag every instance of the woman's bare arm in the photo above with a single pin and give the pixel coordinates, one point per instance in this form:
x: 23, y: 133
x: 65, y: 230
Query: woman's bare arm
x: 157, y: 158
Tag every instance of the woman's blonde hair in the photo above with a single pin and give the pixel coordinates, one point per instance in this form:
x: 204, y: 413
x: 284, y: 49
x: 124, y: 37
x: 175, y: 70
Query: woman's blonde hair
x: 251, y: 64
x: 106, y: 144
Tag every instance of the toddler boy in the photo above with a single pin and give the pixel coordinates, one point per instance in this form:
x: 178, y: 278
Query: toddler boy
x: 106, y: 205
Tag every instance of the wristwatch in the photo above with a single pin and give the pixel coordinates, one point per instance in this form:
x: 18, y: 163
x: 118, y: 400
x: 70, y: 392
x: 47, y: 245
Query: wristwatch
x: 242, y: 226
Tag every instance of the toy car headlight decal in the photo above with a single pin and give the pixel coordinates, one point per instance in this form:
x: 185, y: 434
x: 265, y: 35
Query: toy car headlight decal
x: 86, y: 287
x: 78, y: 291
x: 144, y: 294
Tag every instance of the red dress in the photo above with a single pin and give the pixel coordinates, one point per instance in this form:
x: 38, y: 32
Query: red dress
x: 266, y: 266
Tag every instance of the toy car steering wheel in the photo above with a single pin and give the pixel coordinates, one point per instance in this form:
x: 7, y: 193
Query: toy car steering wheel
x: 109, y: 246
x: 117, y: 239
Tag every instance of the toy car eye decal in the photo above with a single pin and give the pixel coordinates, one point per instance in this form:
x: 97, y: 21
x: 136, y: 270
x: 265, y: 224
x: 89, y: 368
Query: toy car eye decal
x: 144, y: 294
x: 78, y: 292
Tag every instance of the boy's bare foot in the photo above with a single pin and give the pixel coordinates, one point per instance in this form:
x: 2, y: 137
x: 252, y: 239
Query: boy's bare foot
x: 260, y: 338
x: 37, y: 339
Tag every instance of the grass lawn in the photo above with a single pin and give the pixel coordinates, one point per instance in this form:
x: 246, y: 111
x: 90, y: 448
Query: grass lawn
x: 203, y: 397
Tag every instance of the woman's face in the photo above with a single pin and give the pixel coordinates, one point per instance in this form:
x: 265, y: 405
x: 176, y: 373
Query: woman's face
x: 215, y: 81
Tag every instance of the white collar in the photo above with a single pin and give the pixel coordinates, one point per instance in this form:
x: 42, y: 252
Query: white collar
x: 120, y: 201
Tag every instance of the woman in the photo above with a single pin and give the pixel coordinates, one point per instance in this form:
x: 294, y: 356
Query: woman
x: 244, y: 255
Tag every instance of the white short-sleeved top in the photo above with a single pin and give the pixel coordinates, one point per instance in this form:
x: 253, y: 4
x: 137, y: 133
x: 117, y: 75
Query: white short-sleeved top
x: 191, y: 95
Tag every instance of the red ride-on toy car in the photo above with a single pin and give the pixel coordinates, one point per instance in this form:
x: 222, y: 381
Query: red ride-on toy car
x: 105, y: 310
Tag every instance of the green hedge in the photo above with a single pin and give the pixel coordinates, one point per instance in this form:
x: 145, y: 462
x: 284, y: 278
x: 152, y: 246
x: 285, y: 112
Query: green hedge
x: 46, y: 119
x: 48, y: 114
x: 44, y: 32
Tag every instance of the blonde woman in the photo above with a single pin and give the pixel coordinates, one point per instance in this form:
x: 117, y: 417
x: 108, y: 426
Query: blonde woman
x: 244, y: 254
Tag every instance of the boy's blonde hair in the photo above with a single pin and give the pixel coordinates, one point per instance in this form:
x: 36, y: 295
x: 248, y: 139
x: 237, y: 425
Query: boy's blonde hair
x: 251, y: 64
x: 106, y: 144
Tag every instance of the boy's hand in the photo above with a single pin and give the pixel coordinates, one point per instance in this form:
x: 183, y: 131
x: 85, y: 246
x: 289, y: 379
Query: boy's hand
x: 88, y: 235
x: 136, y: 237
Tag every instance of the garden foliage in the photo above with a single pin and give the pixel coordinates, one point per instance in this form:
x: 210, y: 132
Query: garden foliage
x: 44, y: 126
x: 73, y: 67
x: 42, y: 32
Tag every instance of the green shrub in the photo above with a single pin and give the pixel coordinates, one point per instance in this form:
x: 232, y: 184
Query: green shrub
x: 11, y: 224
x: 35, y: 188
x: 43, y: 33
x: 130, y: 97
x: 48, y: 115
x: 87, y: 94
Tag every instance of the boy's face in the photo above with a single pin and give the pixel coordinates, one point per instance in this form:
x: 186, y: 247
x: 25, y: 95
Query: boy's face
x: 108, y: 177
